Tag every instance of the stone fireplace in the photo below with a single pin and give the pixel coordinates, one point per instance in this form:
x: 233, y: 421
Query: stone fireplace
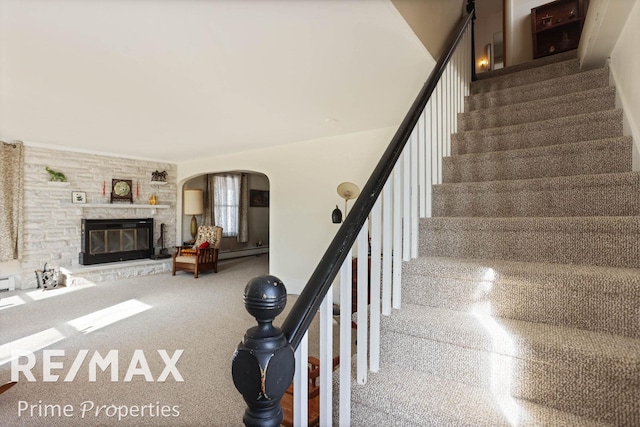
x: 113, y: 240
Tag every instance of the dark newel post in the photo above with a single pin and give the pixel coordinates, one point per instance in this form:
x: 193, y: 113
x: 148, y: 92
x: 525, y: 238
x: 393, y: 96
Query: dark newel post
x: 264, y: 362
x: 471, y: 8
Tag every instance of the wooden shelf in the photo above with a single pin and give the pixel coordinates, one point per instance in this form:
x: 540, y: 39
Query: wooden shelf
x: 556, y: 27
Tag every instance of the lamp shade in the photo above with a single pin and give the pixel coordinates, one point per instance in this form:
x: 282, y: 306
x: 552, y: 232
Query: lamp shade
x: 193, y: 202
x: 348, y: 190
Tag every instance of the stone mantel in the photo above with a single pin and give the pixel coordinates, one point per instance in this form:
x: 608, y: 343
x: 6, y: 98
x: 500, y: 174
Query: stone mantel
x: 119, y: 206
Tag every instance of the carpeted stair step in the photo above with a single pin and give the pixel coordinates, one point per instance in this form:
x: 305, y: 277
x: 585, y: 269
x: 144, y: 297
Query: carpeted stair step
x: 535, y: 63
x: 598, y: 241
x: 587, y: 101
x: 526, y: 76
x: 587, y: 373
x: 600, y: 299
x: 546, y: 89
x: 398, y: 397
x: 582, y: 127
x: 615, y: 194
x: 580, y: 158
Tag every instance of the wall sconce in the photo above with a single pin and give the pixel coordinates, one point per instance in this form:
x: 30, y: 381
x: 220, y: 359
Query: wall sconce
x: 348, y: 191
x: 336, y: 215
x: 486, y: 62
x: 193, y: 205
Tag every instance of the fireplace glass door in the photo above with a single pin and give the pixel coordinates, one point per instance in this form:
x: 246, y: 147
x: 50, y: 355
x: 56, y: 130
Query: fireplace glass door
x: 116, y: 240
x: 111, y: 241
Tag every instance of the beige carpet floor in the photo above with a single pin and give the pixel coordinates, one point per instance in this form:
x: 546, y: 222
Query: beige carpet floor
x: 203, y: 317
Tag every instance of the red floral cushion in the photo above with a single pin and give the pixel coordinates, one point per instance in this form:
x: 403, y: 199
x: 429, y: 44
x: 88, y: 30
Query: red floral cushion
x: 204, y: 245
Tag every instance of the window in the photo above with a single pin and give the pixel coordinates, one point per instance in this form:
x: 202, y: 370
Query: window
x: 226, y: 199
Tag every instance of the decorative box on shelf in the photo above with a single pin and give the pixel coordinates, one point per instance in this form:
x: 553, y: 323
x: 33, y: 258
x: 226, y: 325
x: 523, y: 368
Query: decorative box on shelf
x: 556, y: 27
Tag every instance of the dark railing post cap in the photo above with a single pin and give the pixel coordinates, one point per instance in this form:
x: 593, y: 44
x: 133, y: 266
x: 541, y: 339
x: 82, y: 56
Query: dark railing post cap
x: 265, y: 297
x: 264, y: 362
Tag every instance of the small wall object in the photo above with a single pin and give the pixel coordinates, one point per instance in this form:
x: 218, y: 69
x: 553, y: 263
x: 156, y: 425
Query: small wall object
x: 159, y: 176
x: 55, y: 176
x: 153, y: 200
x: 78, y: 197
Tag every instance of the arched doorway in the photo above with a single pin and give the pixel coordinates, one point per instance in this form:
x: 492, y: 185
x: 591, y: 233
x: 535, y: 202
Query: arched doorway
x: 256, y: 213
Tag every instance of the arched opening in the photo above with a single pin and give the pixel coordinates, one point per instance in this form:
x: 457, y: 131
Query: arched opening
x: 244, y: 219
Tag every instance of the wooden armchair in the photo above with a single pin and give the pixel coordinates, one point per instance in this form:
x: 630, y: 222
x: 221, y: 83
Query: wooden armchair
x: 203, y: 255
x: 314, y: 395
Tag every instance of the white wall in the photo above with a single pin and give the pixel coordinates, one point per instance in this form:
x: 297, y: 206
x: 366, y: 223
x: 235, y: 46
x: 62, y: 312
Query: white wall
x: 303, y: 178
x: 625, y: 69
x: 519, y: 45
x: 603, y: 24
x: 432, y: 21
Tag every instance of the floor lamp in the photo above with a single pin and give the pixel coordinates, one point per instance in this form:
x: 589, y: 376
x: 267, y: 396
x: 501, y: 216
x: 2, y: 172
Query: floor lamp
x: 348, y: 191
x: 193, y: 206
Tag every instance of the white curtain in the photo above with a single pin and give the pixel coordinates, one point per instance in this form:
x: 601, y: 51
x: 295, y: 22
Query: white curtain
x: 226, y: 201
x: 11, y: 200
x: 226, y: 204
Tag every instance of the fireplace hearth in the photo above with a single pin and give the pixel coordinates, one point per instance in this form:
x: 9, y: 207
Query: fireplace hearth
x: 113, y: 240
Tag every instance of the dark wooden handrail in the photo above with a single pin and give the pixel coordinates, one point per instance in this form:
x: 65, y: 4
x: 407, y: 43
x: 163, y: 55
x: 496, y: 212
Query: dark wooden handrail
x: 263, y: 364
x: 308, y: 303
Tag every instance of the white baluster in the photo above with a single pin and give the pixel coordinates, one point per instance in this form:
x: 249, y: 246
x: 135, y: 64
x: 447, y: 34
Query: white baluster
x: 387, y: 241
x: 406, y: 202
x: 301, y: 384
x: 362, y: 304
x: 414, y: 213
x: 397, y: 234
x: 376, y: 265
x: 345, y: 342
x: 326, y: 359
x: 422, y: 164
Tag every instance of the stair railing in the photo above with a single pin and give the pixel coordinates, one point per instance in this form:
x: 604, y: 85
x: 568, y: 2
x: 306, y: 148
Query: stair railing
x: 383, y: 225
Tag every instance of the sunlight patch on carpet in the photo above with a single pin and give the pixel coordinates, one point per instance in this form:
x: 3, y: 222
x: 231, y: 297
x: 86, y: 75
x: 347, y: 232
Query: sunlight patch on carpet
x: 501, y: 365
x: 13, y: 301
x: 49, y: 293
x: 101, y: 318
x: 30, y: 344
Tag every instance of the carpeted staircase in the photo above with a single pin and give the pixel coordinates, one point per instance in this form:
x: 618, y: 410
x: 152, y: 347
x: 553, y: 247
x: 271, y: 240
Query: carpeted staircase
x: 524, y: 305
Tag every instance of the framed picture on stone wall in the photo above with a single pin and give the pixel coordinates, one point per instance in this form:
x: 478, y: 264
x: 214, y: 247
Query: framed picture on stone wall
x: 78, y: 197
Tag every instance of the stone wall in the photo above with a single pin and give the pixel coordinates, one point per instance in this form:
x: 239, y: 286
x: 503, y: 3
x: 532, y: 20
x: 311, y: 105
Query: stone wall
x: 52, y: 221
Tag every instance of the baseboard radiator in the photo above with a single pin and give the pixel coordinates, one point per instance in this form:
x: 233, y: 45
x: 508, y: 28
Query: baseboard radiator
x: 244, y: 252
x: 7, y: 284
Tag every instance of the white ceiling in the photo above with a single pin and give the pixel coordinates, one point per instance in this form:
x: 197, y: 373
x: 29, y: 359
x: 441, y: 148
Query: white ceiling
x: 174, y: 80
